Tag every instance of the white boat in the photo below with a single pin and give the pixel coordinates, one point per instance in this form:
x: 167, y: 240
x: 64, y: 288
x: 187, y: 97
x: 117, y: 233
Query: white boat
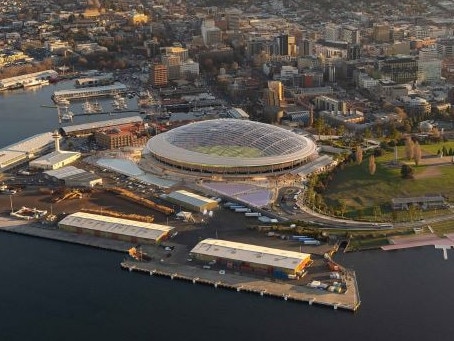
x: 119, y: 103
x: 67, y: 117
x: 91, y: 107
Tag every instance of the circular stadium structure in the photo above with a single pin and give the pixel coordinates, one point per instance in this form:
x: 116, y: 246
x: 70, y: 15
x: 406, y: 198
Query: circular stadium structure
x: 230, y: 147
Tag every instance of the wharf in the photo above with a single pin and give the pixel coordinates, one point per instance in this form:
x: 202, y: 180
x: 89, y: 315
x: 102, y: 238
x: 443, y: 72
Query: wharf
x: 34, y: 229
x: 110, y: 113
x: 287, y: 291
x: 417, y: 241
x: 268, y: 287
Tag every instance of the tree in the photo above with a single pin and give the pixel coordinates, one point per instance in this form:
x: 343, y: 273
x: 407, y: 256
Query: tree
x: 359, y: 154
x: 417, y: 153
x: 406, y: 172
x: 409, y: 148
x: 401, y: 113
x: 319, y: 125
x: 342, y: 207
x: 377, y: 212
x: 372, y: 165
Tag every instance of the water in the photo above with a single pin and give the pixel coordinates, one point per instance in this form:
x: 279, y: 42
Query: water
x: 23, y: 112
x: 58, y: 291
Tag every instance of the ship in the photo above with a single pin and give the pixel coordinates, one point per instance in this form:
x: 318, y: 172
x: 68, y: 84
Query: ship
x: 137, y: 254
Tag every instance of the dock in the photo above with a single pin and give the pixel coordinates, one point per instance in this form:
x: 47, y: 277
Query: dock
x: 111, y: 113
x: 287, y: 290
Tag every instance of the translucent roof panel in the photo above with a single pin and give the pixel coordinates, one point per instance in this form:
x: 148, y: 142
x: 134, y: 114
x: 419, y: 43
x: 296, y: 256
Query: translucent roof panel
x: 231, y: 143
x: 235, y: 138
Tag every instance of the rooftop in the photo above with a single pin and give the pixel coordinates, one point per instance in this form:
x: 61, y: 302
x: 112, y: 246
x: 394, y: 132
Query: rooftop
x: 250, y: 253
x: 116, y: 225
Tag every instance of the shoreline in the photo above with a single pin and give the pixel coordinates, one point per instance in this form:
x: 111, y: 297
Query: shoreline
x: 350, y: 301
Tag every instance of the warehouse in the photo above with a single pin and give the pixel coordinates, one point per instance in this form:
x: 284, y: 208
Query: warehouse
x: 71, y: 176
x: 192, y: 201
x: 252, y: 258
x: 115, y: 228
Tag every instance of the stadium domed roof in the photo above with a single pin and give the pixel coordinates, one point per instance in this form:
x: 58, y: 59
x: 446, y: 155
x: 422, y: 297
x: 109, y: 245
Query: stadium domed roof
x: 230, y: 143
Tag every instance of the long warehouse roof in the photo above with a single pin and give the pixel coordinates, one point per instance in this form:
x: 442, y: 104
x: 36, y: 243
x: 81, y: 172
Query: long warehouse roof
x: 190, y: 198
x: 116, y: 225
x: 250, y: 253
x: 101, y: 124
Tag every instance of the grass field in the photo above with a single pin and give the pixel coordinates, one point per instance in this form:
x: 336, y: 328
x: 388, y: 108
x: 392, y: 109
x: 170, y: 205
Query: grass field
x: 230, y: 151
x: 361, y: 192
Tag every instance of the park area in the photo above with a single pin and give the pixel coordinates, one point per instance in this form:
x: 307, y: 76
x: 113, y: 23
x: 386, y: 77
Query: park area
x: 355, y: 193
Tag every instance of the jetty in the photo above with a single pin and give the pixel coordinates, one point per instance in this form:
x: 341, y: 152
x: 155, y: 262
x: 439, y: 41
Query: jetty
x: 230, y: 280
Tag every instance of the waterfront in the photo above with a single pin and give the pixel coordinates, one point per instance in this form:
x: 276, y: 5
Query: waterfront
x: 53, y: 290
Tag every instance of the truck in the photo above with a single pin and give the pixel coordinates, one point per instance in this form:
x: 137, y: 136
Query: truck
x: 253, y: 214
x: 243, y: 209
x: 311, y: 242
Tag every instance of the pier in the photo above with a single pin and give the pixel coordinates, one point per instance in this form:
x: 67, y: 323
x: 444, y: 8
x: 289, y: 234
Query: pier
x: 241, y: 283
x: 286, y: 290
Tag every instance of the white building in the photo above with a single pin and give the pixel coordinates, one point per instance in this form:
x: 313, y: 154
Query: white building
x: 429, y: 65
x: 56, y: 159
x: 189, y: 67
x: 211, y: 34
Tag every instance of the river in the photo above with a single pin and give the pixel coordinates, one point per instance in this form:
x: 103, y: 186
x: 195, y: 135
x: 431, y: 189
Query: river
x: 58, y: 291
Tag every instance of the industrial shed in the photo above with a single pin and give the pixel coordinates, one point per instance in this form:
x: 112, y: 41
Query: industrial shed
x: 54, y: 160
x: 252, y: 258
x: 115, y: 228
x: 191, y: 201
x: 74, y: 177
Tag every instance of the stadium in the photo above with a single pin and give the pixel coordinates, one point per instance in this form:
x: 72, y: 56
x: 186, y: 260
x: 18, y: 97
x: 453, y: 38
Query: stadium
x: 229, y: 147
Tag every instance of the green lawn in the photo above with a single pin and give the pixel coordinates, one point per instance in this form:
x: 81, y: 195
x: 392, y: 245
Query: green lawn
x: 361, y: 192
x: 230, y: 151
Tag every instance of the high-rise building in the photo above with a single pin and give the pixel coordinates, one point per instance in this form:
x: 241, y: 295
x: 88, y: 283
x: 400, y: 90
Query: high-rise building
x: 283, y: 45
x: 158, y: 75
x: 429, y: 65
x: 233, y: 19
x: 211, y: 34
x: 274, y: 95
x: 351, y: 35
x: 402, y: 69
x: 381, y: 33
x: 173, y: 65
x: 332, y: 32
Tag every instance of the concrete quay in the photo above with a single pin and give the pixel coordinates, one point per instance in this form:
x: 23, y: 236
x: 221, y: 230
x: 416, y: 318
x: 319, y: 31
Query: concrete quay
x: 162, y: 266
x: 287, y: 291
x: 41, y: 231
